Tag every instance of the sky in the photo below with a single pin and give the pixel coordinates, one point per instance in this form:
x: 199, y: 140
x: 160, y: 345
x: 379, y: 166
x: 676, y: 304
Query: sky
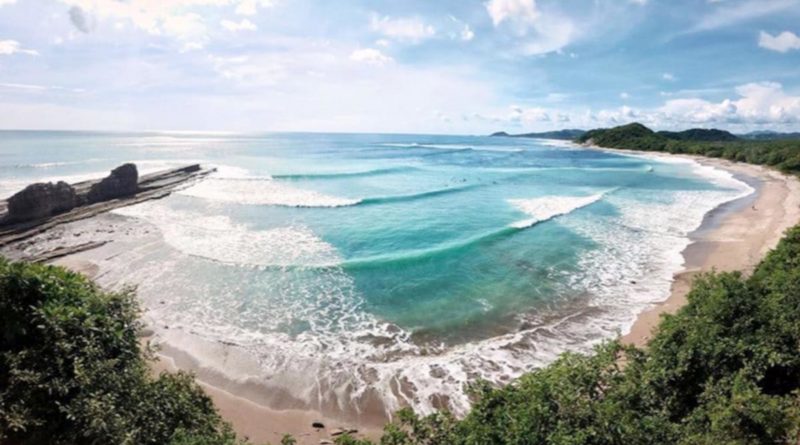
x: 401, y: 66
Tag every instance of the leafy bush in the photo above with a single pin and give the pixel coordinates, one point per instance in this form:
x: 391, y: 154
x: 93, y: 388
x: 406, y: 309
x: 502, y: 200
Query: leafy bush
x: 782, y: 154
x: 725, y: 369
x: 72, y: 371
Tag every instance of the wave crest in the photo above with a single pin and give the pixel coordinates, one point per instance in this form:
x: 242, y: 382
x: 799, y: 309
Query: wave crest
x: 338, y: 175
x: 220, y: 239
x: 262, y: 191
x: 549, y: 207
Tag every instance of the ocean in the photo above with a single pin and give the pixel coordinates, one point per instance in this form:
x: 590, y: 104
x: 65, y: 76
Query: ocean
x: 391, y: 270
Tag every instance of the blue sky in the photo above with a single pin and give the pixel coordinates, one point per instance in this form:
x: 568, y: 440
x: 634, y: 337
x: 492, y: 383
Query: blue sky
x: 450, y: 66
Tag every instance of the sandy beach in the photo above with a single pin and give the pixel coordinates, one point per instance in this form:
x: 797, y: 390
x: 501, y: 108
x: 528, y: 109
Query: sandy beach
x: 735, y: 236
x: 262, y: 424
x: 251, y: 417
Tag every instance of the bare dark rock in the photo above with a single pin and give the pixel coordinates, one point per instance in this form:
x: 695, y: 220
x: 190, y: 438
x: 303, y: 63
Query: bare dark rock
x: 41, y: 200
x: 42, y: 207
x: 318, y: 425
x: 192, y: 168
x: 123, y: 181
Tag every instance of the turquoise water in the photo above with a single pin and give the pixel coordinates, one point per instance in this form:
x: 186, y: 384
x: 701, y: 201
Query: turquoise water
x: 395, y: 267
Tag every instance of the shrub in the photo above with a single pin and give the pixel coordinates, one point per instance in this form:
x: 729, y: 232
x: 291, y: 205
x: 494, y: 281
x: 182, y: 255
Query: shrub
x: 72, y: 370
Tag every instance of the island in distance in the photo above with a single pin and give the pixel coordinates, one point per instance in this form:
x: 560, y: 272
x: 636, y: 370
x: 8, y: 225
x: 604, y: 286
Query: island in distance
x: 567, y: 134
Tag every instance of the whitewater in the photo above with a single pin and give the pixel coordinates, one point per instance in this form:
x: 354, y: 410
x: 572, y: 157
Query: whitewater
x: 358, y: 272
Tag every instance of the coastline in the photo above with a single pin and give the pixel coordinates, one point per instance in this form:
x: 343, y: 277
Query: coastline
x: 734, y: 236
x: 260, y: 423
x: 253, y: 410
x: 721, y: 242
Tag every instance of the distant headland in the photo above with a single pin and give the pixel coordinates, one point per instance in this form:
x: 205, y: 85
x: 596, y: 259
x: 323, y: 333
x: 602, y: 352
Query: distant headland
x: 693, y: 134
x: 566, y: 134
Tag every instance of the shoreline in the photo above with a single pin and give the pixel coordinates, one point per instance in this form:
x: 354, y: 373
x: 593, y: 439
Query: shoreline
x: 710, y: 246
x: 734, y: 236
x: 260, y: 423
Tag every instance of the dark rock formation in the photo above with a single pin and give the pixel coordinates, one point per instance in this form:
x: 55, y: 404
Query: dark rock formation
x: 123, y: 181
x: 191, y: 168
x: 41, y: 200
x: 41, y: 207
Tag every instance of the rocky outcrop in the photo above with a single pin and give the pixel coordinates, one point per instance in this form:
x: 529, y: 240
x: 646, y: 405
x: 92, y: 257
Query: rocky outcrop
x: 123, y: 181
x: 40, y: 207
x: 41, y: 200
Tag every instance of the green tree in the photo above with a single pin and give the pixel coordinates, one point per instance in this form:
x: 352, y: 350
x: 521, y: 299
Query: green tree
x: 72, y: 371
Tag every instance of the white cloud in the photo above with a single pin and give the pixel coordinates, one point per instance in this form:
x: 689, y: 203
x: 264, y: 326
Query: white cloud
x: 173, y: 18
x: 264, y: 71
x: 467, y: 33
x: 624, y: 96
x: 539, y: 34
x: 512, y: 10
x: 192, y: 46
x: 7, y: 2
x: 756, y: 105
x: 243, y: 25
x: 9, y: 47
x: 154, y: 17
x: 371, y: 56
x: 23, y: 86
x: 781, y: 43
x: 529, y: 115
x: 250, y: 7
x: 556, y: 97
x: 464, y: 33
x: 186, y: 26
x: 409, y: 29
x: 723, y: 16
x: 37, y: 88
x: 639, y: 2
x: 669, y: 77
x: 551, y: 35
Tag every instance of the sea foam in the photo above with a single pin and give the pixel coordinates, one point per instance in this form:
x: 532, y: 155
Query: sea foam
x: 549, y: 207
x: 308, y: 326
x: 218, y: 238
x: 236, y: 186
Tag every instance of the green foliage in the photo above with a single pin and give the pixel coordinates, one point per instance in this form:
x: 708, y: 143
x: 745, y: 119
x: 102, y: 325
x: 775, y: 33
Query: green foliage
x: 699, y: 134
x: 288, y: 440
x: 725, y: 369
x: 71, y: 369
x: 781, y: 154
x: 633, y: 136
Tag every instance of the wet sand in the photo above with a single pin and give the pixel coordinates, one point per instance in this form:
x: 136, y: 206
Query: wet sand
x: 255, y: 410
x: 262, y: 424
x: 735, y: 236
